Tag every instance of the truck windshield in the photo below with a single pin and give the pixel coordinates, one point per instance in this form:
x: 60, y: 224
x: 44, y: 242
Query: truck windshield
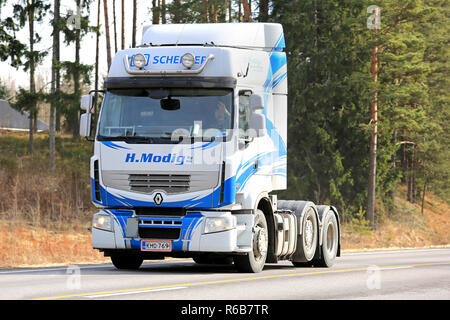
x: 166, y: 114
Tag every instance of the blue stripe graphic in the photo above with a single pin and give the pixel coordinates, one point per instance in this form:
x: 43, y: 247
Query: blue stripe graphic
x: 112, y: 145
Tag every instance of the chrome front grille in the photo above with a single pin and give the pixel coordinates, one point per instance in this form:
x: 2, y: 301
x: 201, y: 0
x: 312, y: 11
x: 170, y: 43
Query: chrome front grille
x: 169, y: 183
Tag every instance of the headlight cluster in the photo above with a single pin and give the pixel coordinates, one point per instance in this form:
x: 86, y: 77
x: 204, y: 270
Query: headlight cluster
x: 188, y: 60
x: 103, y: 222
x: 139, y: 61
x: 218, y: 224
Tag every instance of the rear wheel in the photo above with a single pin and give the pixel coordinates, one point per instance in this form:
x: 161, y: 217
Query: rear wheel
x: 128, y: 262
x: 330, y: 242
x: 307, y: 242
x: 254, y: 261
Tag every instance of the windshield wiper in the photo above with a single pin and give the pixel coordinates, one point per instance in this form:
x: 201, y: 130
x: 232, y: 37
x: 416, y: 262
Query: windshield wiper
x: 138, y: 139
x: 145, y: 139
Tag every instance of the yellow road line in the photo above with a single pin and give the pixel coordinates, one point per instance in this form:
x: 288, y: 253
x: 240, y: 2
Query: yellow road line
x: 236, y: 280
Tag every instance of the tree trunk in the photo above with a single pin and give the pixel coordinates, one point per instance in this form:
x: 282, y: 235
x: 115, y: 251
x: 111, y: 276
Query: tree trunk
x: 247, y: 4
x: 55, y: 59
x: 423, y: 194
x: 97, y: 51
x: 176, y: 15
x: 133, y: 40
x: 32, y: 70
x: 215, y: 14
x: 163, y: 12
x: 115, y: 26
x: 404, y: 165
x: 230, y: 11
x: 240, y: 10
x: 57, y: 111
x: 123, y: 25
x: 413, y: 175
x: 393, y: 168
x: 205, y: 10
x: 108, y: 41
x: 76, y: 80
x: 373, y: 141
x: 58, y: 80
x: 263, y: 10
x: 408, y: 178
x: 155, y: 12
x: 35, y: 123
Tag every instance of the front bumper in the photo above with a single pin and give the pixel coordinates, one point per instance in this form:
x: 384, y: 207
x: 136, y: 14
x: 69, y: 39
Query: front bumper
x: 187, y: 233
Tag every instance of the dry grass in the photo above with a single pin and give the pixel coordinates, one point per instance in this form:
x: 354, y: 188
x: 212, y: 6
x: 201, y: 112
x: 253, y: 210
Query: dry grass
x: 38, y: 226
x: 407, y: 228
x: 24, y: 246
x: 30, y: 192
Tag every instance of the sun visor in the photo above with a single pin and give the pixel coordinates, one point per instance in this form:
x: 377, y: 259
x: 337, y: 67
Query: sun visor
x: 263, y: 36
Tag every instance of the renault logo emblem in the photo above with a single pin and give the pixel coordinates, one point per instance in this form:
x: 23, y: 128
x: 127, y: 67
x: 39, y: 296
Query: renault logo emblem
x: 158, y: 199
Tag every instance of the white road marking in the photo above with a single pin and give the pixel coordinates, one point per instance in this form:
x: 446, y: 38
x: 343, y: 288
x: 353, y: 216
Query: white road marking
x: 362, y: 253
x: 395, y: 268
x: 107, y: 266
x: 46, y: 270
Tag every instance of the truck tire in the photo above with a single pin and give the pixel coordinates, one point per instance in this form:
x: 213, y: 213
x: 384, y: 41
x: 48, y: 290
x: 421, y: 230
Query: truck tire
x: 207, y: 259
x: 127, y: 262
x: 254, y: 261
x: 330, y: 242
x: 307, y: 242
x: 201, y: 259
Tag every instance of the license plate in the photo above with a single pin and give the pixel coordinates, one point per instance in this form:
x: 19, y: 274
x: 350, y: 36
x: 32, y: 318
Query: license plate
x: 156, y: 245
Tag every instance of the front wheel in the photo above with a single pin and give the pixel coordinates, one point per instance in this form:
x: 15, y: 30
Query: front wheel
x: 254, y: 261
x: 207, y: 259
x: 127, y: 262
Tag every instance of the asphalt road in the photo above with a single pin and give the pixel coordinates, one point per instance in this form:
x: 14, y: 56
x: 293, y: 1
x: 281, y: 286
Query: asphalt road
x: 380, y: 275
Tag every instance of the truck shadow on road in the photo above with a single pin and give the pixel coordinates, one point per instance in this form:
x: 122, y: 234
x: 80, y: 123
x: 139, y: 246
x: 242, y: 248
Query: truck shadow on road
x: 194, y: 268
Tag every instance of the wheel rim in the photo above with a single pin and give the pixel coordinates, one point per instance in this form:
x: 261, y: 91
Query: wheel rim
x: 330, y: 238
x: 260, y: 242
x: 309, y: 233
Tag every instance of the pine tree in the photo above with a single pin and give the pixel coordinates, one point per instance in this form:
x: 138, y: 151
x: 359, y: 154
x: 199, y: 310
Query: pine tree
x: 10, y: 47
x: 27, y: 13
x: 403, y: 97
x: 329, y: 93
x: 75, y: 71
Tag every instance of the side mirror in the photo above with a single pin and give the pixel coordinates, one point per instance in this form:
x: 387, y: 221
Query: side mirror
x: 87, y: 102
x: 85, y: 124
x: 256, y: 102
x: 257, y: 125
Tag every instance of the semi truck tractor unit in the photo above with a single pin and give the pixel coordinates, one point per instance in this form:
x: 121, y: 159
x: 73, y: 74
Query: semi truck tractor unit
x: 190, y: 149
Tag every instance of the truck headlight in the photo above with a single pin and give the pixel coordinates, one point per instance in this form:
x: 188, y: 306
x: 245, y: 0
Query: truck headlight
x: 188, y: 60
x: 103, y: 222
x: 218, y: 224
x: 139, y: 60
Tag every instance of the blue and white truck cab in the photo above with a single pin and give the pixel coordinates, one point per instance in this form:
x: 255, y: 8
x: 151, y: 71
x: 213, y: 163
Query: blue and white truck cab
x: 191, y: 147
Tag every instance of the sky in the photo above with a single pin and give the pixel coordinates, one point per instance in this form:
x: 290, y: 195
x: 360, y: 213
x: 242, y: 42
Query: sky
x: 88, y: 44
